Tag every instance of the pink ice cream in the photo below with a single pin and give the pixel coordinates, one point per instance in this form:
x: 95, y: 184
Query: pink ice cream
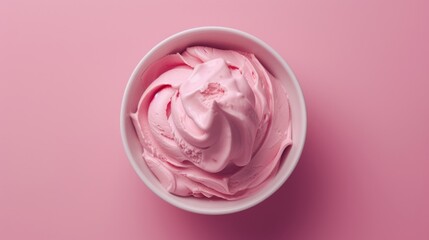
x: 212, y: 123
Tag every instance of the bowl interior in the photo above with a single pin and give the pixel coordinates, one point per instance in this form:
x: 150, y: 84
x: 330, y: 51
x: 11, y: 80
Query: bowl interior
x: 223, y: 38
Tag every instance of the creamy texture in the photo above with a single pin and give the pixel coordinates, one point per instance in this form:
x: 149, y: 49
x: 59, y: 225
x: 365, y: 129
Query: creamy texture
x: 212, y: 123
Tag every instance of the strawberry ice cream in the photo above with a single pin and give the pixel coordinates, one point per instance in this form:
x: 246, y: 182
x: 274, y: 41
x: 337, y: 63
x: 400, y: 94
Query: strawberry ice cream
x: 212, y: 123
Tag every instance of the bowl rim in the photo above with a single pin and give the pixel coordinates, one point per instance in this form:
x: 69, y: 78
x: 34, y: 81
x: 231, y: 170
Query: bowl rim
x: 124, y: 117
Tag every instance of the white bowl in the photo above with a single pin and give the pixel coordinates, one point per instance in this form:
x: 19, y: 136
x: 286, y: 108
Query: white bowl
x: 224, y: 38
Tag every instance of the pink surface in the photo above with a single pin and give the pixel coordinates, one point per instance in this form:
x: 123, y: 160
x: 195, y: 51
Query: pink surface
x: 364, y: 69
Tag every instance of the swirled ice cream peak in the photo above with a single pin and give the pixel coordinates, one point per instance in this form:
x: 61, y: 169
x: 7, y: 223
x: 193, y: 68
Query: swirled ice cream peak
x: 212, y: 123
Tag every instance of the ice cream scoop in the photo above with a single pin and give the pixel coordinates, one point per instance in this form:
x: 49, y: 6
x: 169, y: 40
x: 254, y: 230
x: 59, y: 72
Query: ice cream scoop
x: 212, y: 123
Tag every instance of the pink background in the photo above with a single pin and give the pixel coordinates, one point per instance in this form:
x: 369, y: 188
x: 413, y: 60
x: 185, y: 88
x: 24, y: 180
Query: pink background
x: 364, y: 69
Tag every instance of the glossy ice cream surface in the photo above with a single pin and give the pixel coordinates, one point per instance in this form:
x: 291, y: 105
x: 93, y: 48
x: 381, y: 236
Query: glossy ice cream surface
x: 212, y: 123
